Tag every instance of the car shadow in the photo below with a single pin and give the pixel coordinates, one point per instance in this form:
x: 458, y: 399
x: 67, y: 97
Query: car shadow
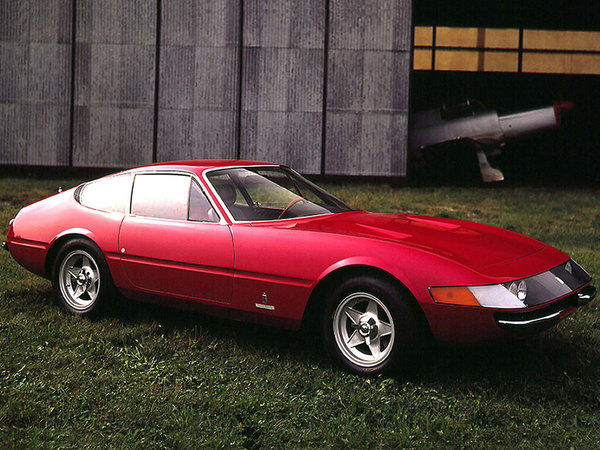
x: 548, y: 367
x: 303, y: 346
x: 547, y: 354
x: 551, y: 357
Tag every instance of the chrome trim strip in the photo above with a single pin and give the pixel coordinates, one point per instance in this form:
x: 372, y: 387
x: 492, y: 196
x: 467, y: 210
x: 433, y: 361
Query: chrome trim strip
x: 263, y: 306
x: 520, y: 323
x: 586, y: 295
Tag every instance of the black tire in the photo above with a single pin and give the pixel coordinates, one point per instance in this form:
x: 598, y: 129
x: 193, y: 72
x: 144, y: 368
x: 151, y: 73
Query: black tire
x: 81, y: 279
x: 370, y: 325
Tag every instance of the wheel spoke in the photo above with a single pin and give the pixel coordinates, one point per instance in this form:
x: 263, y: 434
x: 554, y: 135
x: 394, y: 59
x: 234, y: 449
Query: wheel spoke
x: 85, y: 262
x: 353, y: 315
x: 94, y: 275
x: 92, y: 289
x: 78, y: 292
x: 385, y: 329
x: 372, y: 308
x: 368, y: 340
x: 70, y: 272
x: 355, y: 339
x: 374, y: 346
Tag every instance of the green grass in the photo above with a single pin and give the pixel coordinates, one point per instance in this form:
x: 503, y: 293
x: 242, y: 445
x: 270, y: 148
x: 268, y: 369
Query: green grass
x: 145, y: 376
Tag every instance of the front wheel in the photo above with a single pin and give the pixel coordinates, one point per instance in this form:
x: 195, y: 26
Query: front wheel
x: 81, y: 277
x: 369, y: 325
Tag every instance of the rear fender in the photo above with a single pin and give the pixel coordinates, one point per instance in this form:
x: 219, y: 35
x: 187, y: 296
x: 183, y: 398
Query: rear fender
x: 59, y: 240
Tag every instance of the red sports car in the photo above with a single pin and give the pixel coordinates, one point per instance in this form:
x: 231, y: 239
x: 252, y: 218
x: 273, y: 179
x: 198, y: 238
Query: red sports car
x: 258, y: 242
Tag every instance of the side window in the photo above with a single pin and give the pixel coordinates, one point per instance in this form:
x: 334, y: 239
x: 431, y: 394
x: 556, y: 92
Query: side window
x: 200, y: 208
x: 161, y: 195
x: 107, y: 194
x: 226, y: 189
x: 230, y: 195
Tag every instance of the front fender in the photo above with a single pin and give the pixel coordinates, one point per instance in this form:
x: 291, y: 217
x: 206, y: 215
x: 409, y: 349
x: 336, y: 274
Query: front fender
x: 374, y: 263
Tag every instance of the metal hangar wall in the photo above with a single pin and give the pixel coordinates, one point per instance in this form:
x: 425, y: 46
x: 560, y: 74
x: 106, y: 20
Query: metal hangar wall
x: 321, y: 85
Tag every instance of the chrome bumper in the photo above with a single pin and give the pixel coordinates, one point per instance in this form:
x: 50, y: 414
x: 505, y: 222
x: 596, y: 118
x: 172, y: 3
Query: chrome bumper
x: 586, y: 295
x: 524, y: 323
x: 545, y: 317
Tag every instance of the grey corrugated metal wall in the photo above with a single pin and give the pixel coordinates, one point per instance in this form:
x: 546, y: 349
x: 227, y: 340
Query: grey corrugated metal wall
x: 321, y: 85
x: 198, y: 79
x: 114, y: 82
x: 35, y: 66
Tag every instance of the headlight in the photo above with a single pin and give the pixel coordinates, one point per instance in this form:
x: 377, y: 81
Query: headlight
x: 569, y: 267
x: 544, y: 287
x: 518, y: 289
x: 492, y: 296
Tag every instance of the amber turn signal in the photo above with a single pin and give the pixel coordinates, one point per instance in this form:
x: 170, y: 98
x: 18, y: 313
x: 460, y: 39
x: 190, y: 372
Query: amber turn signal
x: 454, y: 296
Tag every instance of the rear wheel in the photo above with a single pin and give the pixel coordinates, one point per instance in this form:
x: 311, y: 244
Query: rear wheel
x: 81, y: 278
x: 369, y: 325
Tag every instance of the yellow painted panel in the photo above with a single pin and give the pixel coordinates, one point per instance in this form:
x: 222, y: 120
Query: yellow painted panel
x: 501, y: 62
x: 422, y: 59
x: 573, y: 63
x: 477, y: 37
x: 561, y: 40
x: 474, y: 61
x: 424, y: 36
x: 457, y: 60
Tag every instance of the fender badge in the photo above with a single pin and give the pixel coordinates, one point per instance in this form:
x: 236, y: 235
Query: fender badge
x: 264, y: 305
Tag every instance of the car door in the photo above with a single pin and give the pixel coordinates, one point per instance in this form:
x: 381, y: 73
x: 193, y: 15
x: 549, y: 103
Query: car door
x: 173, y: 242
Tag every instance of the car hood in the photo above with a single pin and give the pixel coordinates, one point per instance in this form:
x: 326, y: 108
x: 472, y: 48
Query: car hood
x: 472, y: 244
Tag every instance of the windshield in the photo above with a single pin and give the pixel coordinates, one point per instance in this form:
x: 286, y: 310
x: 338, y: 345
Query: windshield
x: 271, y: 193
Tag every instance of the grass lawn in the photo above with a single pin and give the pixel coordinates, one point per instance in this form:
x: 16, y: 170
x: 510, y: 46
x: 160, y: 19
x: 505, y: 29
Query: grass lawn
x: 145, y: 376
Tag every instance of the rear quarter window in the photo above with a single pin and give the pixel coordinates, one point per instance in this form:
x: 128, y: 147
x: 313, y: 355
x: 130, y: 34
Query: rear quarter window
x: 110, y: 194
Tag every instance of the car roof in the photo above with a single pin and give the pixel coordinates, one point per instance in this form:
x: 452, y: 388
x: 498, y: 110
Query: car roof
x: 200, y: 165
